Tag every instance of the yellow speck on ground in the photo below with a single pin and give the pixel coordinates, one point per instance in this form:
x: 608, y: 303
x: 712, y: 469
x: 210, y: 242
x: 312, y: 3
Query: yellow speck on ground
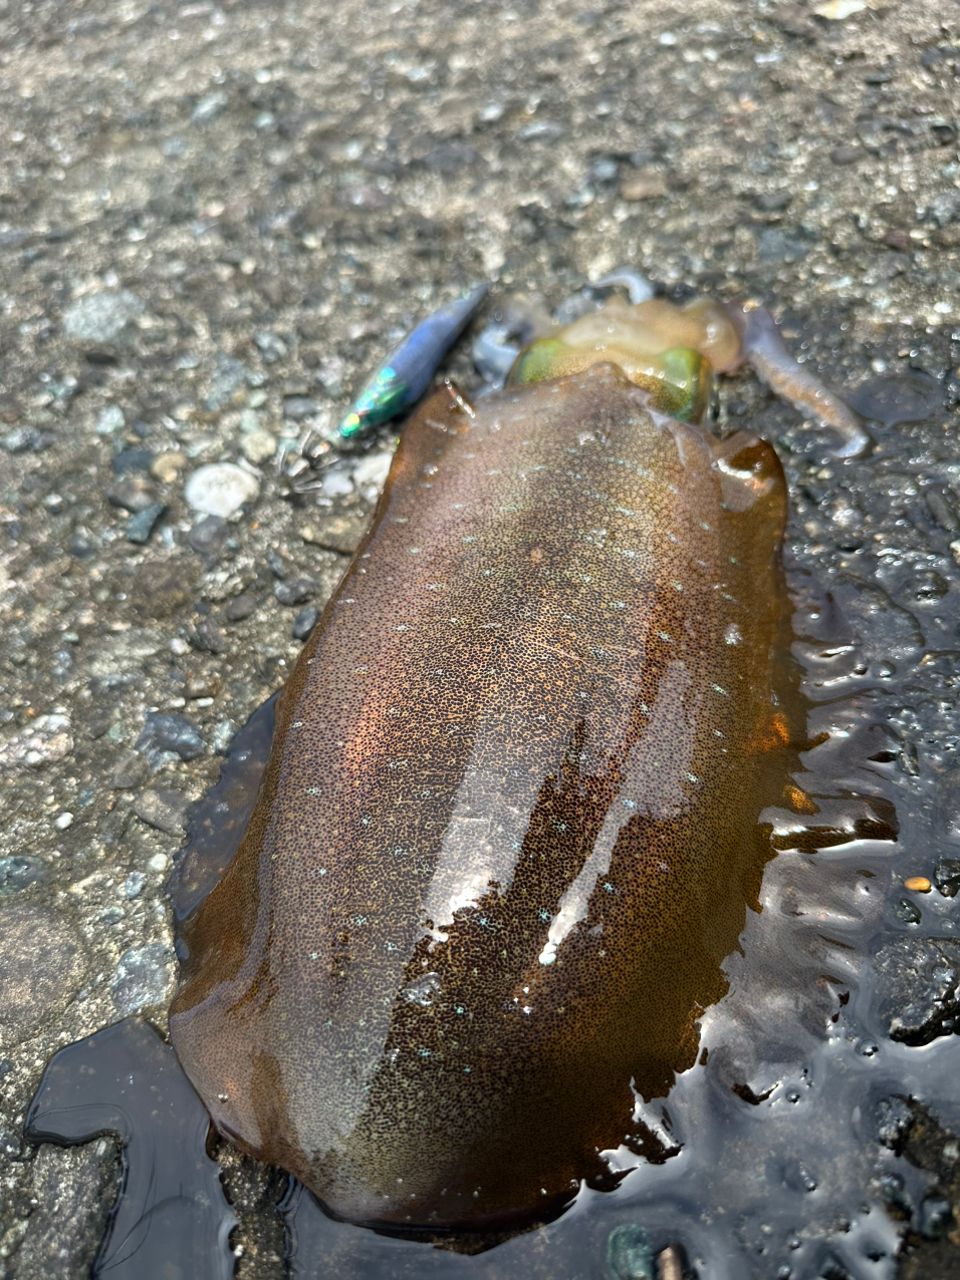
x: 918, y: 884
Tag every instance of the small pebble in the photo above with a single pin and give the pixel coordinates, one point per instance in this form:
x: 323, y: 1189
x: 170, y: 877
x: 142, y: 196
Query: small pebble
x: 202, y: 685
x: 166, y: 732
x: 143, y: 977
x: 339, y: 533
x: 133, y: 494
x: 140, y: 527
x: 209, y: 107
x: 81, y: 544
x: 258, y: 447
x: 230, y: 376
x: 305, y: 621
x: 934, y: 1216
x: 131, y: 461
x: 296, y: 591
x: 918, y: 884
x: 110, y: 419
x: 163, y: 809
x: 240, y: 607
x: 17, y: 872
x: 63, y: 820
x: 270, y: 345
x: 894, y: 1119
x: 102, y: 318
x: 838, y: 10
x: 370, y: 473
x: 947, y: 876
x: 224, y: 732
x: 221, y: 489
x: 774, y: 201
x: 894, y: 1192
x: 643, y: 186
x: 166, y: 466
x: 907, y: 911
x: 629, y: 1254
x: 209, y: 638
x: 841, y: 156
x: 26, y: 440
x: 133, y: 885
x: 42, y: 741
x: 279, y: 565
x: 208, y: 535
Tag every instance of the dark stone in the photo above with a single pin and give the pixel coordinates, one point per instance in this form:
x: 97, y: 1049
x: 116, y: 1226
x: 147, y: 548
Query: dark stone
x: 140, y: 527
x: 939, y: 53
x: 209, y: 535
x: 918, y: 983
x: 26, y: 440
x: 773, y: 201
x: 934, y: 1216
x: 846, y: 155
x: 132, y: 493
x: 297, y: 591
x: 240, y: 607
x: 894, y: 1120
x: 908, y: 911
x: 208, y: 637
x: 17, y: 872
x: 82, y: 544
x: 168, y: 732
x: 944, y: 131
x: 305, y: 621
x: 132, y: 460
x: 277, y: 564
x: 947, y: 877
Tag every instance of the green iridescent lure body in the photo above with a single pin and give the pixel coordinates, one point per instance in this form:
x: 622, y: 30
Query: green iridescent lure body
x: 405, y: 374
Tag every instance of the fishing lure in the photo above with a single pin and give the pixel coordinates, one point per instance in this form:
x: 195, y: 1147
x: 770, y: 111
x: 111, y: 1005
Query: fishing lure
x: 392, y: 390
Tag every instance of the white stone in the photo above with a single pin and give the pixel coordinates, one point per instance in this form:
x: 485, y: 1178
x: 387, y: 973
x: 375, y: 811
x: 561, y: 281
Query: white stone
x: 220, y: 489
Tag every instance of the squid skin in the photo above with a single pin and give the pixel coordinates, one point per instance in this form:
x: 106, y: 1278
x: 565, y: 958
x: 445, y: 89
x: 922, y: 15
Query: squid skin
x: 512, y: 823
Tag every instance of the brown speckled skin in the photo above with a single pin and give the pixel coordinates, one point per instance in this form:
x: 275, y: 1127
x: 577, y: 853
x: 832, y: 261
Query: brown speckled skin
x: 511, y: 823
